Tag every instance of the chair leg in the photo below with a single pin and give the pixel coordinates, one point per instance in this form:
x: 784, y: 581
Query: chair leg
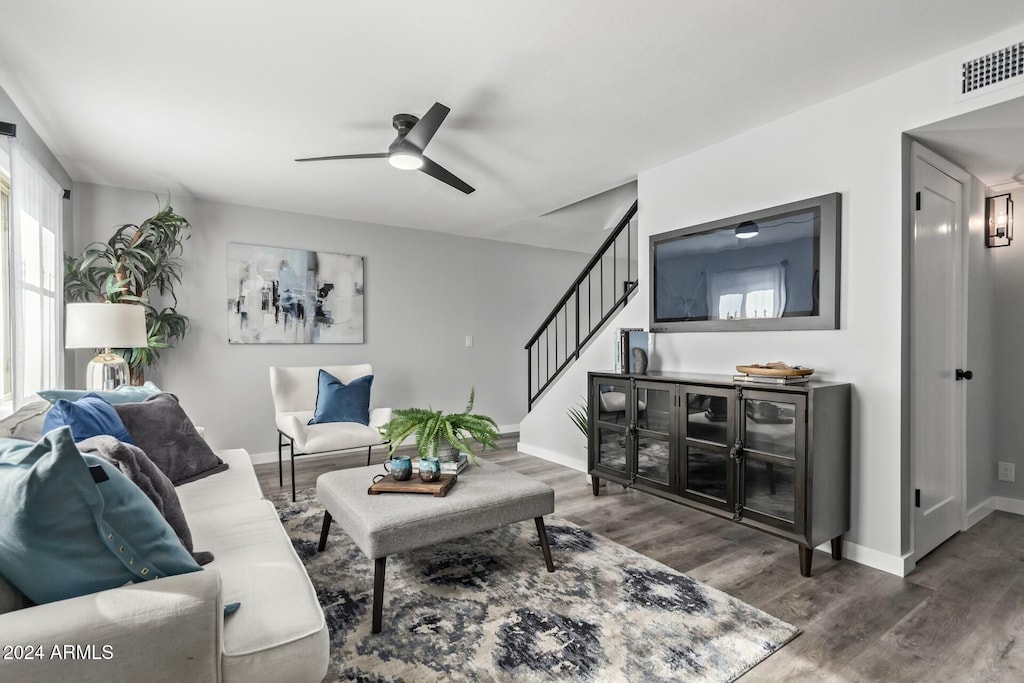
x: 280, y: 467
x: 368, y: 448
x: 323, y: 531
x: 292, y: 453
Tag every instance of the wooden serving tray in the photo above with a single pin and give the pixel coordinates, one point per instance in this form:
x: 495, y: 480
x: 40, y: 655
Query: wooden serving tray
x: 769, y: 371
x: 439, y: 488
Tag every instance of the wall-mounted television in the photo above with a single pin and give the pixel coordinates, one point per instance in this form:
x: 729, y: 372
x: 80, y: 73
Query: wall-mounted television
x: 773, y: 269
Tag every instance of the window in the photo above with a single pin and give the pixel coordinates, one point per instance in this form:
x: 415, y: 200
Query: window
x: 30, y: 305
x: 748, y: 293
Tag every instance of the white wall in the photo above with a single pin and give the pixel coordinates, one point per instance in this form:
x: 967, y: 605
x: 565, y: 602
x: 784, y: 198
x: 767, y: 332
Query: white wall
x: 851, y: 144
x: 424, y: 293
x: 1009, y: 355
x: 982, y: 357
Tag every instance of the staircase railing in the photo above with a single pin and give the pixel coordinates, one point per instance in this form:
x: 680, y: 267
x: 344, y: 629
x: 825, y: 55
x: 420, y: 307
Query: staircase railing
x: 591, y: 300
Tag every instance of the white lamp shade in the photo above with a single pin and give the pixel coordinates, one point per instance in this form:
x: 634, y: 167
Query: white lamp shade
x: 103, y: 326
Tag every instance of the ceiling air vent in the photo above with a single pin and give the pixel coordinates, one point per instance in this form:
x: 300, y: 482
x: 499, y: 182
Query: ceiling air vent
x: 993, y: 68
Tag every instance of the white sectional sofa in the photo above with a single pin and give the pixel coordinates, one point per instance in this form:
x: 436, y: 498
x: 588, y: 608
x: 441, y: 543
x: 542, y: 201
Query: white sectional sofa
x: 174, y: 629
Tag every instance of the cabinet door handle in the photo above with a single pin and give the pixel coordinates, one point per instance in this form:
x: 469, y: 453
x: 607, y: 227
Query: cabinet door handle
x: 736, y: 452
x: 964, y: 374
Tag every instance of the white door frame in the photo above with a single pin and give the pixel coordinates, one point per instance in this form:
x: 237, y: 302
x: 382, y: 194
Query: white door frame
x: 918, y: 151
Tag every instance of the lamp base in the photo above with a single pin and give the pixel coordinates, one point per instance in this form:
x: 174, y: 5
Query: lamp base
x: 105, y: 372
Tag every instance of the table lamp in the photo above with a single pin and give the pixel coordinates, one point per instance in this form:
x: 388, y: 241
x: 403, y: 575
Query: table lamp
x: 105, y: 326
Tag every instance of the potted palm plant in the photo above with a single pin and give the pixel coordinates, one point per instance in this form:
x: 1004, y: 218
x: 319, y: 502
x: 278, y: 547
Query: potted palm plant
x: 434, y: 430
x: 135, y: 263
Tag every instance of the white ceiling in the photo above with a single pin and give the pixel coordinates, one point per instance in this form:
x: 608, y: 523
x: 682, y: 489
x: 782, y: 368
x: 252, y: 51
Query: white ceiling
x: 987, y: 142
x: 552, y: 102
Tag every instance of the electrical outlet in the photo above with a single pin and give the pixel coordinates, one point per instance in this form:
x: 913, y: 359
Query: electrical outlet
x: 1006, y: 471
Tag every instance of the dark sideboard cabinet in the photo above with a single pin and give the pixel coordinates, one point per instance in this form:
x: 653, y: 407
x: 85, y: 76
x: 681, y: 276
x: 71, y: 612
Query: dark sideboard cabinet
x: 775, y: 457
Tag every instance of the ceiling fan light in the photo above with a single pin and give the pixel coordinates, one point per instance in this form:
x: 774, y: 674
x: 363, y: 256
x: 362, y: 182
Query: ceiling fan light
x: 405, y: 161
x: 746, y: 230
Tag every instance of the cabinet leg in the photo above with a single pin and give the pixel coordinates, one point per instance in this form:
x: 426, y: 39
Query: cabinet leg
x: 595, y: 483
x: 837, y: 548
x: 805, y: 559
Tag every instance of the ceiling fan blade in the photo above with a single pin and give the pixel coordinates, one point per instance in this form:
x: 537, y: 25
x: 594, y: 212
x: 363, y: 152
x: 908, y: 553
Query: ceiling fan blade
x: 378, y: 155
x: 435, y: 171
x: 425, y: 128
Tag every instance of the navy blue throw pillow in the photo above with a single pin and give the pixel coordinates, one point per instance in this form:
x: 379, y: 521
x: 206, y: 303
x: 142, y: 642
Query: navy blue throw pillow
x: 89, y: 416
x: 340, y: 402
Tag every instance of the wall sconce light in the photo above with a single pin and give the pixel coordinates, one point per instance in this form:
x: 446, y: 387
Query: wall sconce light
x: 998, y: 221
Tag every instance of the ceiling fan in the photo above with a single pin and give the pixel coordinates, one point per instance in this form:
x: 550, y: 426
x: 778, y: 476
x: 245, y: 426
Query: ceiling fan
x: 406, y: 152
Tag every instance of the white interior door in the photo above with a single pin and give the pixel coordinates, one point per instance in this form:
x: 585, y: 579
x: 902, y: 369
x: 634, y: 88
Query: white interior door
x: 937, y: 351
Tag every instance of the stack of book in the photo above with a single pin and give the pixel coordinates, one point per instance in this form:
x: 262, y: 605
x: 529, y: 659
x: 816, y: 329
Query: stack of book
x: 454, y: 467
x: 765, y: 379
x: 627, y: 339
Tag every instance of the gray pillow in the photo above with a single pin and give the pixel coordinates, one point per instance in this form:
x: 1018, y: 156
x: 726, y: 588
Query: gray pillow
x: 163, y: 431
x: 26, y: 422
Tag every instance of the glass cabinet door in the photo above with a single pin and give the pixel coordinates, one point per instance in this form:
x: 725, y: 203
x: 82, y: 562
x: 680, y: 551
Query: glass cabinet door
x: 773, y: 467
x: 655, y: 413
x: 610, y: 414
x: 708, y: 433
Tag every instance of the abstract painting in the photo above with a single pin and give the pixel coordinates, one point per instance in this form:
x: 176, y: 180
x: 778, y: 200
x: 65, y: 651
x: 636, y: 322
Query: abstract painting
x: 278, y: 295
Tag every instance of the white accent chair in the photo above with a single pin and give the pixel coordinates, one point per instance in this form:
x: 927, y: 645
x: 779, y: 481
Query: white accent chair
x: 295, y: 391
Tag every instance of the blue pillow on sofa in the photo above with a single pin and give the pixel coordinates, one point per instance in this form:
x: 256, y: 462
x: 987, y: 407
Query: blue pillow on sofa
x: 340, y: 402
x: 65, y: 531
x: 126, y: 393
x: 89, y: 416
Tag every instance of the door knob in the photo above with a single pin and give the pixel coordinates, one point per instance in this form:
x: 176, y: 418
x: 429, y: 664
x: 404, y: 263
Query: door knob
x: 964, y: 374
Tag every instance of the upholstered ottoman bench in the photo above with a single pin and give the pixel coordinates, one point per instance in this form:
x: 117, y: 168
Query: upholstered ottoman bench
x: 483, y: 498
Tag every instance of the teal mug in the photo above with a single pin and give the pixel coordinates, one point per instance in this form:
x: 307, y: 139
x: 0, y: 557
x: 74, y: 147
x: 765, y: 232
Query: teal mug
x: 400, y: 467
x: 430, y: 469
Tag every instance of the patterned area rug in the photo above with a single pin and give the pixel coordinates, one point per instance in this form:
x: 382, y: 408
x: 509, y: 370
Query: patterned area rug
x: 483, y: 608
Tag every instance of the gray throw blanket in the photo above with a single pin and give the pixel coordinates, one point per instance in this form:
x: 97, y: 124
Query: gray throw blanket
x: 140, y: 470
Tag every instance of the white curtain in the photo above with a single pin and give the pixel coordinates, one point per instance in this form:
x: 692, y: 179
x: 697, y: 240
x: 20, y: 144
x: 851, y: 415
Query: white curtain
x: 747, y: 293
x: 36, y: 276
x: 6, y: 279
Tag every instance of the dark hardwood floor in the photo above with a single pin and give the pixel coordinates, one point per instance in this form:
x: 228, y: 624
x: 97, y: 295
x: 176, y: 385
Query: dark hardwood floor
x: 958, y: 617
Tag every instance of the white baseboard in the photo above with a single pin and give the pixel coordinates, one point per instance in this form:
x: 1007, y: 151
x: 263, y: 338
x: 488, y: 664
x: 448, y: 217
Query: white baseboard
x: 979, y: 512
x: 261, y: 458
x: 1003, y: 504
x: 552, y: 456
x: 869, y: 557
x: 986, y: 507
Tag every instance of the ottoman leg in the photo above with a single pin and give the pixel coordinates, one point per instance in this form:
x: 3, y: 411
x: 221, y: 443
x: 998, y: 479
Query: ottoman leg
x: 323, y: 532
x: 378, y: 592
x: 543, y: 533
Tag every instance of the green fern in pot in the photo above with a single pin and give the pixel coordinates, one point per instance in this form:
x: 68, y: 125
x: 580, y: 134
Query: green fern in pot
x: 433, y: 428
